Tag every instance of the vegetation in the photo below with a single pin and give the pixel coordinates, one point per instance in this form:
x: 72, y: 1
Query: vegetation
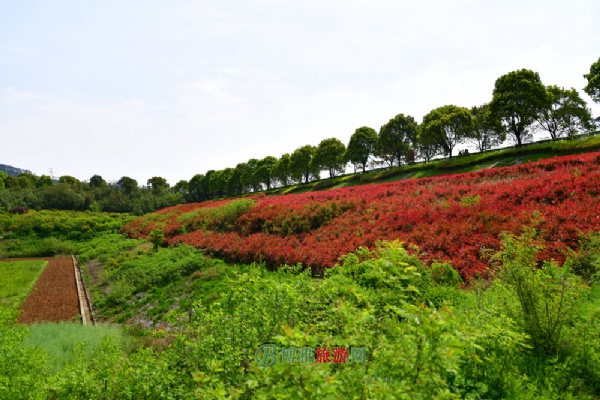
x: 48, y: 233
x: 483, y: 285
x: 438, y: 214
x: 423, y: 336
x: 566, y: 115
x: 447, y: 127
x: 396, y: 138
x: 64, y: 341
x: 17, y: 279
x: 519, y: 97
x: 361, y: 147
x: 593, y: 86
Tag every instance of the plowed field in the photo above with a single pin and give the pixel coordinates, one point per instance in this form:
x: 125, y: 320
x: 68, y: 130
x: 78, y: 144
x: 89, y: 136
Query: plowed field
x: 54, y: 296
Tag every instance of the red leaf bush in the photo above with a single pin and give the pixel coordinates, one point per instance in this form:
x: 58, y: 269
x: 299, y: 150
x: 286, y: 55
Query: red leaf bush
x: 450, y: 218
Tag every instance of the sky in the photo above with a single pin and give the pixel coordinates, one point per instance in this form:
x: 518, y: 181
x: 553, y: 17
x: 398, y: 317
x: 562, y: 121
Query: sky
x: 145, y: 88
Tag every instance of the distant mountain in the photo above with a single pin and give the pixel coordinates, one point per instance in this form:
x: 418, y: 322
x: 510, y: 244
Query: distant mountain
x: 12, y: 171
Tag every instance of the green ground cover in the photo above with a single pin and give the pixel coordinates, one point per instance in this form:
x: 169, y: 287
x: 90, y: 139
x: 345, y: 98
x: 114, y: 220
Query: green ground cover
x: 17, y: 278
x: 65, y: 341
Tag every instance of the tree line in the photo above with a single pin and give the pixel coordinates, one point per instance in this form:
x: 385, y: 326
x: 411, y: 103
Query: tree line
x: 521, y: 105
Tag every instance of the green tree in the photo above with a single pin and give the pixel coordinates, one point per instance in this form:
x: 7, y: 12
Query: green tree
x: 302, y: 167
x: 3, y: 176
x: 97, y: 182
x: 69, y: 180
x: 196, y: 191
x: 181, y: 187
x: 156, y: 238
x: 240, y: 178
x: 519, y: 98
x: 25, y: 180
x: 263, y: 170
x: 488, y: 131
x: 158, y: 185
x: 593, y: 78
x: 44, y: 181
x: 282, y: 170
x: 127, y: 185
x: 63, y: 196
x: 567, y: 114
x: 396, y: 137
x: 361, y: 146
x: 447, y: 126
x: 330, y: 156
x: 250, y: 175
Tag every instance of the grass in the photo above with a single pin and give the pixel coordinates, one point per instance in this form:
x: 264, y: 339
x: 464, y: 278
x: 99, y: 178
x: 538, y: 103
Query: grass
x: 60, y: 340
x: 17, y: 279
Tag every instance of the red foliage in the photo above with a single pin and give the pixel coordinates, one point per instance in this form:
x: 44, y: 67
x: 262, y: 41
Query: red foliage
x: 450, y: 217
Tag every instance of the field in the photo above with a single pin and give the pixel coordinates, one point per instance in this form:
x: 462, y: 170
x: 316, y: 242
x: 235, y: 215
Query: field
x: 54, y: 296
x: 17, y: 278
x: 454, y: 218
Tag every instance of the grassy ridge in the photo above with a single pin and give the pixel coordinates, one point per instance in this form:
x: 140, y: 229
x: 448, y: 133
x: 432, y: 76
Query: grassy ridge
x: 469, y: 163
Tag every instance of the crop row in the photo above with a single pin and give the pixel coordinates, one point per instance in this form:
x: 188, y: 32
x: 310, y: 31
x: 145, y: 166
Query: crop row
x: 450, y: 218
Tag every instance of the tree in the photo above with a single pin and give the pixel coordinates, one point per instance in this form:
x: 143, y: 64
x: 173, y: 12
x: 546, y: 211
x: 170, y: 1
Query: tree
x: 396, y: 137
x: 302, y: 167
x: 251, y: 177
x: 518, y: 99
x: 126, y: 184
x: 282, y: 170
x: 567, y: 113
x: 488, y: 131
x: 427, y: 150
x: 157, y: 185
x: 26, y: 180
x: 361, y: 146
x: 263, y: 170
x: 97, y: 182
x: 219, y: 182
x: 3, y: 176
x: 447, y: 126
x: 181, y: 187
x: 69, y: 180
x: 330, y: 156
x: 63, y: 196
x: 240, y: 178
x: 593, y: 78
x: 196, y: 188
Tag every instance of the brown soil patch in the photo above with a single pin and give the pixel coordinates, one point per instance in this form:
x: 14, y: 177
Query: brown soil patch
x: 54, y: 296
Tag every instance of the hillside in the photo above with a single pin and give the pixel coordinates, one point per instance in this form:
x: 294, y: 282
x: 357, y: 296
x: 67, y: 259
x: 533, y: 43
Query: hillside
x: 454, y: 218
x: 13, y: 171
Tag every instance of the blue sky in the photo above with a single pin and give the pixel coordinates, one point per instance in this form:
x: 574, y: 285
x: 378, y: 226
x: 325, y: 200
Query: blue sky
x: 156, y: 88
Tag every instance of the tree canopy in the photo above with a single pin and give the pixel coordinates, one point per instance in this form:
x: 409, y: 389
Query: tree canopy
x: 361, y: 146
x: 263, y: 171
x: 488, y: 131
x: 593, y: 78
x: 396, y: 137
x: 302, y: 167
x: 567, y: 113
x: 158, y: 184
x: 330, y: 156
x: 447, y: 126
x: 518, y: 99
x: 282, y: 170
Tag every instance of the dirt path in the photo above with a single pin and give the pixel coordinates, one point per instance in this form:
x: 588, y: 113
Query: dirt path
x: 54, y: 296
